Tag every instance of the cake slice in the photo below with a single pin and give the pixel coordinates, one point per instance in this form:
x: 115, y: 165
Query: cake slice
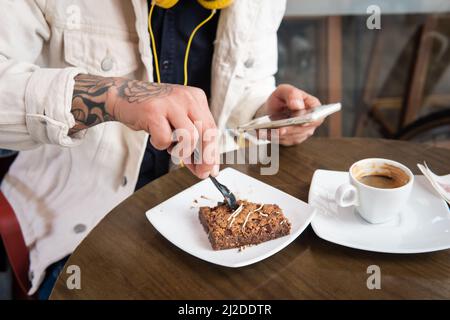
x: 250, y: 224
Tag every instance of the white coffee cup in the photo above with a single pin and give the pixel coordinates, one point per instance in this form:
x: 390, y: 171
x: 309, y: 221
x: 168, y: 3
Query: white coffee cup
x: 375, y: 204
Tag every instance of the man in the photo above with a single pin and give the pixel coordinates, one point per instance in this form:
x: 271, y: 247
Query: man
x: 80, y: 102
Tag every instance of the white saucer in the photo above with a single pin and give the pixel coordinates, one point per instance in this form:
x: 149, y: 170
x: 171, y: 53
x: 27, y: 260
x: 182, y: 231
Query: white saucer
x: 422, y: 226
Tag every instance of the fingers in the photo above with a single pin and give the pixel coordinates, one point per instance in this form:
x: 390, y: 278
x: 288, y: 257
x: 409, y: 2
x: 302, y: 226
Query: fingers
x: 199, y: 172
x: 161, y: 133
x: 204, y: 122
x: 289, y: 140
x: 300, y: 128
x: 298, y: 100
x: 286, y: 132
x: 206, y: 162
x: 210, y: 151
x: 200, y: 110
x: 185, y: 134
x: 192, y: 168
x: 195, y: 130
x: 209, y: 163
x: 294, y: 98
x: 297, y: 134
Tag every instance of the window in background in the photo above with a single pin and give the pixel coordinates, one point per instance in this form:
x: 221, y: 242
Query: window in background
x: 395, y: 81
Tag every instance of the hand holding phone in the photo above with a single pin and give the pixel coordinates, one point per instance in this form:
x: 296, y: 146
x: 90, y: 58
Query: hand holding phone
x: 291, y: 118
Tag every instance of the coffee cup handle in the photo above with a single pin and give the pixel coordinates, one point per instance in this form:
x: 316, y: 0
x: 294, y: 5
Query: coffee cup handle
x: 346, y: 195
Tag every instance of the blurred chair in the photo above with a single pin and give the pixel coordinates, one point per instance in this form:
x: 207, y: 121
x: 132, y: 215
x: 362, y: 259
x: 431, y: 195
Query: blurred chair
x: 403, y: 117
x: 13, y: 251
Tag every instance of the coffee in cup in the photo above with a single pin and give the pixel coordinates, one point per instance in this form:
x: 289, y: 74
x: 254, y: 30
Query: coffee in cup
x: 378, y: 189
x: 385, y: 176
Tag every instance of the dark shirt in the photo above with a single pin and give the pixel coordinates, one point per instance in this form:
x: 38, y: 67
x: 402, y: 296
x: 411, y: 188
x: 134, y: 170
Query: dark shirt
x: 172, y: 28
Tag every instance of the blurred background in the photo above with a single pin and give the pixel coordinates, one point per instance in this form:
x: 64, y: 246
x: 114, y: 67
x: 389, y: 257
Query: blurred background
x: 393, y: 82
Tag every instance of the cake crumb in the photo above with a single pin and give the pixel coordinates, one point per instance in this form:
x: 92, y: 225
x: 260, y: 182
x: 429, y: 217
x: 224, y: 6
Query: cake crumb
x: 242, y: 248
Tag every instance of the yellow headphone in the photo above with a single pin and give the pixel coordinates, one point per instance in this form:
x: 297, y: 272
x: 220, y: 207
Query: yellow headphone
x: 212, y: 5
x: 207, y: 4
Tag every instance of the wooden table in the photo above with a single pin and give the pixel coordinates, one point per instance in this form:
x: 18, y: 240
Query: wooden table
x: 124, y: 257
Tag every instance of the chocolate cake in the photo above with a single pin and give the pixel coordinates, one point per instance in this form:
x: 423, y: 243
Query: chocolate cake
x: 250, y: 224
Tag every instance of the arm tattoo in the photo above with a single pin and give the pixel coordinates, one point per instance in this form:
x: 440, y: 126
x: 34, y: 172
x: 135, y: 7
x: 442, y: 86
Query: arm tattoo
x: 135, y: 91
x: 90, y: 97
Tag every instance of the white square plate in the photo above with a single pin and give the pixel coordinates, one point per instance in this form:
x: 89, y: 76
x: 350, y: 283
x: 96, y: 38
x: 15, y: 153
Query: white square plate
x: 422, y: 226
x: 177, y: 218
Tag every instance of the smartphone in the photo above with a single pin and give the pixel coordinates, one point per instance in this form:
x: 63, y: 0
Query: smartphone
x: 291, y: 118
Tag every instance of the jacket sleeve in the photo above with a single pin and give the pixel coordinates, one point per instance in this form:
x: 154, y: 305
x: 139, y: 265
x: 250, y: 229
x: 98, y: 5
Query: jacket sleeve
x: 260, y: 67
x: 35, y: 102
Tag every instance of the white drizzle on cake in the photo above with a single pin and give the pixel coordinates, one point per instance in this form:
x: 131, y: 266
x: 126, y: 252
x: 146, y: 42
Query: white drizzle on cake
x: 248, y: 215
x: 235, y: 214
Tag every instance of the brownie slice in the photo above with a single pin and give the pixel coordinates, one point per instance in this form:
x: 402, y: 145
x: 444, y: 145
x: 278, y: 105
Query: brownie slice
x: 250, y: 224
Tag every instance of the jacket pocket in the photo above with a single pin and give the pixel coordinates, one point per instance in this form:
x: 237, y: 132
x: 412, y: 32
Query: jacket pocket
x: 101, y: 54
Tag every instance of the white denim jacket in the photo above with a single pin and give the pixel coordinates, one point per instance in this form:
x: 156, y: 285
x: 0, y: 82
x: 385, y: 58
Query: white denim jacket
x: 61, y: 186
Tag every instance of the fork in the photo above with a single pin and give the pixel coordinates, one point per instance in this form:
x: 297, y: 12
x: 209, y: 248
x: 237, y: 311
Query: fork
x: 230, y: 198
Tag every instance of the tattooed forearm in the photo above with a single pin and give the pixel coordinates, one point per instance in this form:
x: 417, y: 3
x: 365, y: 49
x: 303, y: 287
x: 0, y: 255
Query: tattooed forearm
x: 90, y: 97
x: 89, y: 101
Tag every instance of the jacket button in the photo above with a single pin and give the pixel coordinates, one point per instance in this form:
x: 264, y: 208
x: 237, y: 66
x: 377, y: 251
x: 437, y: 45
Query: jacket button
x: 124, y: 181
x: 249, y: 63
x: 79, y: 228
x: 107, y: 64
